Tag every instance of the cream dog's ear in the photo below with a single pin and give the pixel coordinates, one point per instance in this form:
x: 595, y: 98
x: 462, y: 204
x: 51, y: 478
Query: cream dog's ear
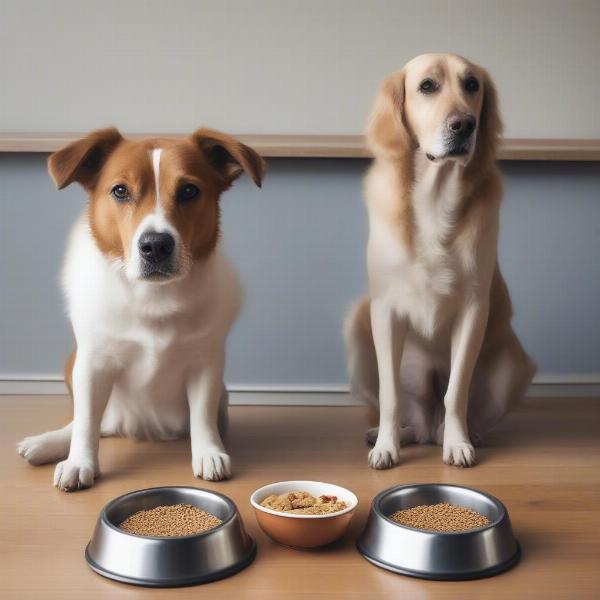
x: 387, y: 134
x: 490, y: 123
x: 82, y: 160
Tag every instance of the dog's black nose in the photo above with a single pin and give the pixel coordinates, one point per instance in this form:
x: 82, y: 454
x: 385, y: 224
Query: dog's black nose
x: 156, y: 247
x: 462, y: 125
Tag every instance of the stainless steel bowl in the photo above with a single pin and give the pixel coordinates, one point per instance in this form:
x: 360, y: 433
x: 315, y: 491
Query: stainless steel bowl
x: 169, y: 561
x: 430, y: 554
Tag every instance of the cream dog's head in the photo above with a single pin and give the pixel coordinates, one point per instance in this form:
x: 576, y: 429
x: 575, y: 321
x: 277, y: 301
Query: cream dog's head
x: 440, y: 104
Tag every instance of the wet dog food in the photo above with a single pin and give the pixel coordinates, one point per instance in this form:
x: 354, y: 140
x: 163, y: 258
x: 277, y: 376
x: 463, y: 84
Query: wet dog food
x: 303, y: 503
x: 440, y: 517
x: 170, y: 521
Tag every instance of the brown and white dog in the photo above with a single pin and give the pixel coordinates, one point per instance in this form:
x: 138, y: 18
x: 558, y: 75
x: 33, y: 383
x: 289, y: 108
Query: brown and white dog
x: 150, y: 295
x: 432, y: 346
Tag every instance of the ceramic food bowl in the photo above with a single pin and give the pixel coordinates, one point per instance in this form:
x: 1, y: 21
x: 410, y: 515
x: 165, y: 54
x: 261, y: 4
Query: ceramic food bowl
x: 428, y: 554
x: 169, y: 561
x: 303, y: 531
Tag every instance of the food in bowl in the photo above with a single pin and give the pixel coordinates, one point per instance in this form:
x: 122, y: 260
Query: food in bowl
x: 175, y: 520
x: 303, y: 503
x: 303, y: 527
x: 440, y: 517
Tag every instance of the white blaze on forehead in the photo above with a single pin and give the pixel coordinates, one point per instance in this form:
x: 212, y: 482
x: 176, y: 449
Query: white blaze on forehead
x: 156, y: 221
x: 156, y: 168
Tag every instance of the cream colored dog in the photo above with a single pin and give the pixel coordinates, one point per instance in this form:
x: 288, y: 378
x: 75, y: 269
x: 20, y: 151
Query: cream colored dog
x: 432, y: 346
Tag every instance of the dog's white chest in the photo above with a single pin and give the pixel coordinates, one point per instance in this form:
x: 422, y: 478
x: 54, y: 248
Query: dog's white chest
x: 150, y: 356
x: 421, y: 284
x: 149, y: 396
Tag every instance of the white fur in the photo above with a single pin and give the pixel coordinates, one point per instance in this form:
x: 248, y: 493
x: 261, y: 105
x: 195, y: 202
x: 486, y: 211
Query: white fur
x: 149, y: 355
x: 439, y: 144
x: 156, y: 152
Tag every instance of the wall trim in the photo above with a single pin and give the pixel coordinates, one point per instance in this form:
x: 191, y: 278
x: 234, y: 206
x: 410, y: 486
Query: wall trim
x: 325, y: 146
x: 551, y: 385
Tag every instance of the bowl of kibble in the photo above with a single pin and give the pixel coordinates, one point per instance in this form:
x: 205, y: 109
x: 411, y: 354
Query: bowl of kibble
x: 168, y: 537
x: 439, y: 531
x: 303, y: 514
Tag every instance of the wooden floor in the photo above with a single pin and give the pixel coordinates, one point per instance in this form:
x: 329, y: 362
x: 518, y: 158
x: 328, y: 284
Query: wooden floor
x: 543, y: 462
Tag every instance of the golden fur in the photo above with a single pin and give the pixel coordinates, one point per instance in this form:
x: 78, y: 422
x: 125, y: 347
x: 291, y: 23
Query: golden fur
x: 455, y: 244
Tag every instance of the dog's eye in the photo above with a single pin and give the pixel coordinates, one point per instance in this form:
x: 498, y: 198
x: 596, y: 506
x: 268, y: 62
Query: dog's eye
x: 428, y: 86
x: 120, y: 193
x: 471, y: 84
x: 187, y: 192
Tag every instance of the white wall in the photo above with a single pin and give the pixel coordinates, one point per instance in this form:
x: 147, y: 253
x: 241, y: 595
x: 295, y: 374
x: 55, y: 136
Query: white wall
x: 283, y: 66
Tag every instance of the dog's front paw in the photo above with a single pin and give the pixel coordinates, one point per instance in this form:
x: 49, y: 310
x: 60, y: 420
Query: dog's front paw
x: 459, y: 454
x: 211, y: 464
x: 71, y: 475
x: 384, y: 456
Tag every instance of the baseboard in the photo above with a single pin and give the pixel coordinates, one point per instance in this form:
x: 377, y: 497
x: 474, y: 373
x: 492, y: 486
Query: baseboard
x: 543, y: 386
x: 290, y: 397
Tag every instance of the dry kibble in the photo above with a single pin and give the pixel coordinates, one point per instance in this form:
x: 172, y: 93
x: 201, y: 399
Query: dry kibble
x: 440, y: 517
x: 170, y: 521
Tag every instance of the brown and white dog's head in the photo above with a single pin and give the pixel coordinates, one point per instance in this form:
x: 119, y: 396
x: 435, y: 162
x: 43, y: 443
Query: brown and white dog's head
x: 154, y: 203
x: 440, y: 104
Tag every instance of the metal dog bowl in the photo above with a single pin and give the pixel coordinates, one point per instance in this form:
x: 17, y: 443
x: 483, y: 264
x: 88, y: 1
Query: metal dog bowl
x: 469, y: 554
x: 169, y: 561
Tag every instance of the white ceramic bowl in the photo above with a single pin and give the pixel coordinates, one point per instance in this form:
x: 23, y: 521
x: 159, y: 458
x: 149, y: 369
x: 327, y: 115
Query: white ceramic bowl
x: 303, y: 531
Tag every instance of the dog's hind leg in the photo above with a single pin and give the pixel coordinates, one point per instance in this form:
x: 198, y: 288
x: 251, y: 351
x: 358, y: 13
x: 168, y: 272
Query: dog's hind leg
x: 49, y: 447
x: 360, y: 353
x: 500, y: 383
x: 223, y: 419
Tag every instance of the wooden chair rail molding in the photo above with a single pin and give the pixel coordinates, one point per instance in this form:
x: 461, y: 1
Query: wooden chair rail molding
x: 331, y: 146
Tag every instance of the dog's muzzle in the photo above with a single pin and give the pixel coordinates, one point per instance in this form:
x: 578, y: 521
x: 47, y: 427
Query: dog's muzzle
x: 156, y: 251
x: 459, y: 134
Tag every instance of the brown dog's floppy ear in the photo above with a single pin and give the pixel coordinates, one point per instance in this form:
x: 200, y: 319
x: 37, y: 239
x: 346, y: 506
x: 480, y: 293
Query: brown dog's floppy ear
x: 82, y: 160
x: 387, y: 133
x: 229, y: 156
x: 490, y: 124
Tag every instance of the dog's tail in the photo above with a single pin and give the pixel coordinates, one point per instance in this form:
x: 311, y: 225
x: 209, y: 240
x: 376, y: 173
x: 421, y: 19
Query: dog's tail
x: 360, y: 352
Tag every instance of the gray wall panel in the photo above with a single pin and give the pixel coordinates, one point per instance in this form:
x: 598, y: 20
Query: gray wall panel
x: 299, y: 246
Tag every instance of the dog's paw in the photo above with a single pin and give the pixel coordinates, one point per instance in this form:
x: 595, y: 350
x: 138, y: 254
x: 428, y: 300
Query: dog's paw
x: 42, y: 449
x: 211, y: 465
x: 71, y: 475
x: 383, y: 457
x: 459, y: 455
